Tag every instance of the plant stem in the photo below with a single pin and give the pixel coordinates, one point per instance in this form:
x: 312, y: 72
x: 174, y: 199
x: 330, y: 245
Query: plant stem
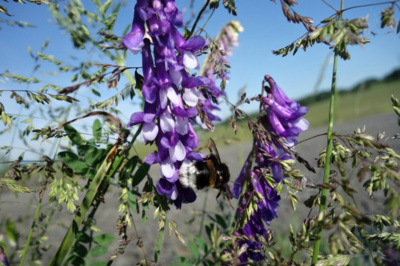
x: 33, y: 225
x: 198, y: 18
x: 327, y: 169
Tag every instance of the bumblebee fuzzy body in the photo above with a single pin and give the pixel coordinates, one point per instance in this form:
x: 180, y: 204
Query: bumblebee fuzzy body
x: 208, y: 173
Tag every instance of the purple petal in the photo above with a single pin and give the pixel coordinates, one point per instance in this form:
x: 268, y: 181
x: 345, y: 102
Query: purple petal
x: 136, y: 118
x: 134, y: 39
x: 195, y: 43
x: 164, y: 187
x: 149, y: 93
x: 151, y: 159
x: 182, y: 125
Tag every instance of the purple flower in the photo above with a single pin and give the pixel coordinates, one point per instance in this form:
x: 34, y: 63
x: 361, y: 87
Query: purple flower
x: 169, y: 92
x: 283, y: 118
x: 3, y: 257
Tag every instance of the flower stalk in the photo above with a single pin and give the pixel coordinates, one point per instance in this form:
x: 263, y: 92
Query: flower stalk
x: 327, y: 169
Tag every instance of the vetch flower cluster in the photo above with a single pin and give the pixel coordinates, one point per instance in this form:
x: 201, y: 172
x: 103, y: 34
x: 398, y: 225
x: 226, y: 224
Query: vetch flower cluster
x: 259, y: 203
x: 169, y: 92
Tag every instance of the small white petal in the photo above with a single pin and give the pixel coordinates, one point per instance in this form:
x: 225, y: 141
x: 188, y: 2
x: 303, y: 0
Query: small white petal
x: 167, y: 168
x: 190, y: 97
x: 177, y: 153
x: 190, y: 60
x: 174, y: 194
x: 182, y: 125
x: 172, y: 95
x: 150, y: 131
x: 163, y: 98
x: 167, y: 123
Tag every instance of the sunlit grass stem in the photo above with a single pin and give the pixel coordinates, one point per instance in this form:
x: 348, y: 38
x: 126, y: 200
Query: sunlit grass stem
x: 327, y: 169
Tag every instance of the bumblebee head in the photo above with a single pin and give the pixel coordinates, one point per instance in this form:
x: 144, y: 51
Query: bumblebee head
x: 223, y: 173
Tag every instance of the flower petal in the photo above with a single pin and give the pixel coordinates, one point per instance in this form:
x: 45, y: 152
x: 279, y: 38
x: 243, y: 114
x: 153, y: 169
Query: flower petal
x: 167, y: 168
x: 136, y: 118
x: 178, y: 152
x: 190, y: 97
x: 182, y: 125
x: 150, y: 131
x: 172, y: 95
x: 190, y: 60
x: 167, y: 123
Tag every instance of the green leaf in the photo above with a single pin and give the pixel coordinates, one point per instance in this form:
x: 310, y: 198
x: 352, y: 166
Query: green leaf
x: 201, y: 243
x: 74, y: 135
x: 82, y: 237
x: 97, y: 251
x: 96, y: 129
x: 73, y: 162
x: 221, y: 221
x: 194, y: 250
x: 128, y: 168
x: 80, y: 249
x: 94, y: 156
x: 104, y: 239
x: 103, y: 9
x: 75, y: 260
x: 11, y: 233
x: 132, y: 201
x: 140, y: 174
x: 90, y: 173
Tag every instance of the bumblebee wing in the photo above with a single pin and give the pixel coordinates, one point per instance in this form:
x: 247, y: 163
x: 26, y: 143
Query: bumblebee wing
x: 213, y: 149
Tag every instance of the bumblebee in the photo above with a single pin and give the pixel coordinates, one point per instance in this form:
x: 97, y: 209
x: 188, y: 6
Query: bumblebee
x: 208, y: 173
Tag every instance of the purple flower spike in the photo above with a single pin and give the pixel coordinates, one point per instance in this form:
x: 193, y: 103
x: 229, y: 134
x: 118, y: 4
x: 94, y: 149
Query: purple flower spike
x: 283, y: 118
x: 167, y: 114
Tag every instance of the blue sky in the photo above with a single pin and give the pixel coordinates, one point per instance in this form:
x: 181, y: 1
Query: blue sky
x: 265, y: 29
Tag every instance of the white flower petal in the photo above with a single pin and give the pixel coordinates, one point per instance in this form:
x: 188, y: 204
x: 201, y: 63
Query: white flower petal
x: 150, y: 131
x: 163, y: 98
x: 190, y: 60
x: 172, y: 95
x: 177, y: 153
x: 167, y: 168
x: 174, y: 194
x: 190, y: 97
x: 167, y: 123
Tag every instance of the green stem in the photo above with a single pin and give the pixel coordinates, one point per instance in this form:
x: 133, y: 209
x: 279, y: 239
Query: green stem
x: 329, y: 148
x: 28, y: 241
x: 160, y: 237
x: 198, y: 18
